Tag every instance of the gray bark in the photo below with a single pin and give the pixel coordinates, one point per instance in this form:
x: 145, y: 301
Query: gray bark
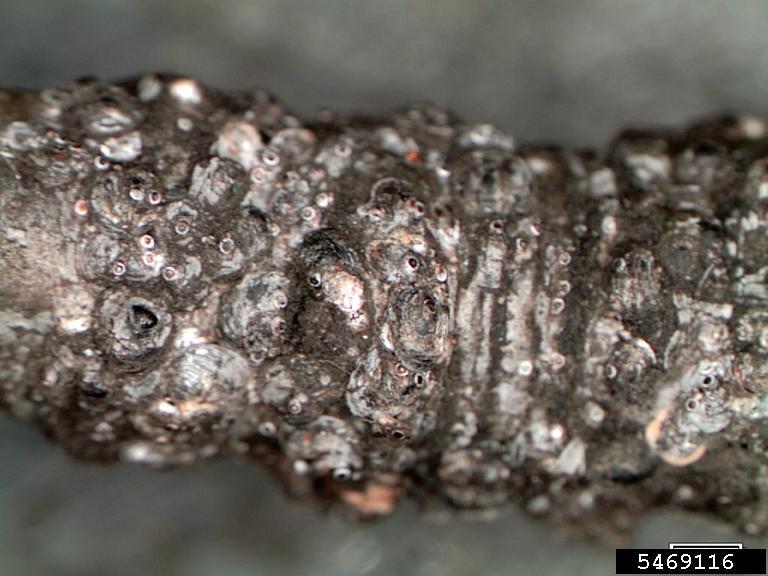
x: 386, y: 307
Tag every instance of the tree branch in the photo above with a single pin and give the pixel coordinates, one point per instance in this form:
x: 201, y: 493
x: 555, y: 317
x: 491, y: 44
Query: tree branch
x: 381, y: 307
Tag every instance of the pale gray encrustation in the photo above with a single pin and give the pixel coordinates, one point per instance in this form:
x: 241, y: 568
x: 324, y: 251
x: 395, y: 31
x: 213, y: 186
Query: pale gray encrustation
x: 387, y: 307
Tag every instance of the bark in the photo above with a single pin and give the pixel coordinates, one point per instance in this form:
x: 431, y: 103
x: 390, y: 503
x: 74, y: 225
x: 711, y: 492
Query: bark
x: 377, y: 308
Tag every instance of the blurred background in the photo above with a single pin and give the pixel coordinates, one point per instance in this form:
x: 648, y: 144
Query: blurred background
x: 570, y: 71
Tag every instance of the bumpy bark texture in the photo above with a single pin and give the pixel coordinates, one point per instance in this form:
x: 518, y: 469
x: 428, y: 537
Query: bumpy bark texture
x: 382, y: 307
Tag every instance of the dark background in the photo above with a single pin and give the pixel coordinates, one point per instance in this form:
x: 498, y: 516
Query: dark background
x: 570, y: 71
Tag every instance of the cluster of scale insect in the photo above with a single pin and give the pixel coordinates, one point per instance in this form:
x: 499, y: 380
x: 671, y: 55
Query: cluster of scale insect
x: 224, y: 278
x: 211, y: 291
